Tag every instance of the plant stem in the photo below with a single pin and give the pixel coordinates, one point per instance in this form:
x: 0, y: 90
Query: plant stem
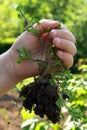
x: 24, y: 17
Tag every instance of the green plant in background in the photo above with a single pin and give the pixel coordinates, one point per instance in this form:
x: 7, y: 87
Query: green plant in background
x: 72, y: 88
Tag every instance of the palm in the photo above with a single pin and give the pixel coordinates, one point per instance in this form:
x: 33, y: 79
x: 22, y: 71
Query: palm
x: 31, y: 43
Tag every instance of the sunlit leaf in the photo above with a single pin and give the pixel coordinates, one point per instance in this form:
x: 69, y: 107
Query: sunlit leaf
x: 19, y: 7
x: 20, y: 16
x: 59, y: 102
x: 28, y: 122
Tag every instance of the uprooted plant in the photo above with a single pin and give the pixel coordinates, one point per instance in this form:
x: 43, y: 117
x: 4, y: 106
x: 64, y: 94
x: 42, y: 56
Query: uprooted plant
x: 49, y: 91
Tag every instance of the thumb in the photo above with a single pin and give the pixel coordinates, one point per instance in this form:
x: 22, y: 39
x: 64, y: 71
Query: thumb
x: 44, y: 24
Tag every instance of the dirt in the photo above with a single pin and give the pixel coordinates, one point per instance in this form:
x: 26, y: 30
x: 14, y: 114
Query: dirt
x: 9, y: 118
x: 41, y: 96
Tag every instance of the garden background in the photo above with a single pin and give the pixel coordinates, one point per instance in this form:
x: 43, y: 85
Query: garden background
x: 71, y: 13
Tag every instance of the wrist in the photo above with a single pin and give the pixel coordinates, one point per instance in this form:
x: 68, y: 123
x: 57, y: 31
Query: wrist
x: 7, y: 78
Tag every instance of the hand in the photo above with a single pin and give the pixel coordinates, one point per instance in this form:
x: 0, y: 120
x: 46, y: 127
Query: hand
x: 62, y: 39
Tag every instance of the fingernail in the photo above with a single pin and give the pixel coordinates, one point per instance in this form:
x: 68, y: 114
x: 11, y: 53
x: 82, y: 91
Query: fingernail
x: 55, y: 23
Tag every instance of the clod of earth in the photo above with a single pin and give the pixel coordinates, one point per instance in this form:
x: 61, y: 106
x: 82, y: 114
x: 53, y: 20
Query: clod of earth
x: 41, y: 96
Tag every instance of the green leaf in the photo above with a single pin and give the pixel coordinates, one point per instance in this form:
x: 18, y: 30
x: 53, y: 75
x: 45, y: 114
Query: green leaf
x: 19, y: 7
x: 59, y: 102
x: 42, y: 64
x: 48, y: 29
x: 58, y: 62
x: 47, y: 125
x: 35, y: 20
x: 59, y: 26
x: 42, y: 128
x: 76, y: 128
x: 20, y: 15
x: 30, y: 124
x: 33, y: 30
x: 25, y: 128
x: 63, y: 84
x: 52, y: 82
x: 22, y: 52
x: 75, y: 112
x: 71, y: 97
x: 22, y: 98
x: 19, y: 60
x: 68, y: 74
x: 23, y: 55
x: 43, y: 125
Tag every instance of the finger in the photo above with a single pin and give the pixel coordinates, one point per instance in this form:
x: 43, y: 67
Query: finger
x: 65, y: 34
x: 66, y: 58
x: 65, y: 45
x: 44, y: 24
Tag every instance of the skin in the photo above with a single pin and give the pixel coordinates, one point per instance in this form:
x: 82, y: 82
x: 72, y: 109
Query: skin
x: 12, y: 73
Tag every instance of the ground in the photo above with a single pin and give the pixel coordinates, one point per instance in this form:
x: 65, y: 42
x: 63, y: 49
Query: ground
x: 9, y: 118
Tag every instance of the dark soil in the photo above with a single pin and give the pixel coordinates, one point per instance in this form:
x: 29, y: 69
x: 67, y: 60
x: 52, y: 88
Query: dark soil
x: 41, y: 96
